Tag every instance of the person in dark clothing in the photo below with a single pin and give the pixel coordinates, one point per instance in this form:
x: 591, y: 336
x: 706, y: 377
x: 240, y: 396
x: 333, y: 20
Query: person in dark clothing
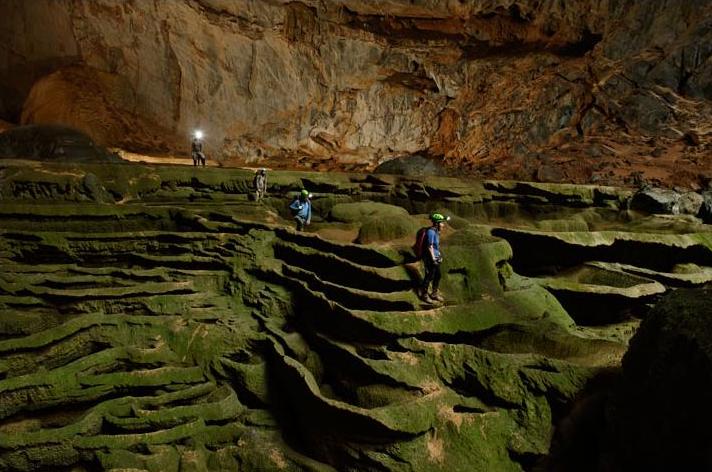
x: 196, y: 149
x: 432, y: 258
x: 301, y: 209
x: 260, y: 184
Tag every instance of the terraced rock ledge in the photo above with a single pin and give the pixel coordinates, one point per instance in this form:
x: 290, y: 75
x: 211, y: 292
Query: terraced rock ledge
x: 156, y: 318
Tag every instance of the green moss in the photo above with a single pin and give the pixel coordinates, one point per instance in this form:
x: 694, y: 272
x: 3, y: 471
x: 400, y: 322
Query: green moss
x: 520, y: 306
x: 361, y: 211
x: 187, y: 302
x: 562, y: 225
x: 387, y: 228
x: 471, y: 262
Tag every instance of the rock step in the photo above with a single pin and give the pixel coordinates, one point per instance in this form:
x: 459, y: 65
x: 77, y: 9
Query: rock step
x: 224, y: 407
x: 92, y: 420
x: 398, y: 421
x: 378, y: 365
x: 146, y: 289
x: 696, y: 276
x: 344, y: 272
x: 69, y: 328
x: 358, y: 254
x: 81, y: 380
x: 354, y: 298
x: 511, y: 308
x: 599, y: 295
x: 535, y: 250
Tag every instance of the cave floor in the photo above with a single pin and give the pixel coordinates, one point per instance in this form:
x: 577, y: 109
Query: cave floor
x: 156, y: 315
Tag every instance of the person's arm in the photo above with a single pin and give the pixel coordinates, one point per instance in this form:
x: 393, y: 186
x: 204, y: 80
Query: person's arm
x: 309, y: 212
x: 431, y: 246
x: 295, y: 205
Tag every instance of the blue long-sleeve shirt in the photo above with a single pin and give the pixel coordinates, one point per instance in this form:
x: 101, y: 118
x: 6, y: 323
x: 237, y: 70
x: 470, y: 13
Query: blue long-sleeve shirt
x: 302, y: 209
x: 432, y: 238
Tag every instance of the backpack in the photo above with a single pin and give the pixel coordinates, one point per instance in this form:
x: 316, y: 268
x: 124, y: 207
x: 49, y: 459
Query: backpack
x: 420, y: 238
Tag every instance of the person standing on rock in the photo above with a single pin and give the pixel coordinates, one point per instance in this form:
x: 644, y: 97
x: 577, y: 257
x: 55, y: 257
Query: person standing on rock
x: 260, y: 184
x: 432, y: 258
x: 301, y: 209
x: 196, y: 149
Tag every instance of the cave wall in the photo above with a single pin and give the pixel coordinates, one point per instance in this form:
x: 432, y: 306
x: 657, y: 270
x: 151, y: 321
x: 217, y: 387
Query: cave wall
x: 470, y: 81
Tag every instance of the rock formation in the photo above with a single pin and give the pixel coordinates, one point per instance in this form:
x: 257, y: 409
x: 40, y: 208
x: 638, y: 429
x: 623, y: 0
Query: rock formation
x: 157, y: 318
x: 154, y: 318
x: 657, y: 418
x: 543, y: 90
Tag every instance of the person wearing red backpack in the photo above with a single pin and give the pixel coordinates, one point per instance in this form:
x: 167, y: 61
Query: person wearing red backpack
x: 432, y: 257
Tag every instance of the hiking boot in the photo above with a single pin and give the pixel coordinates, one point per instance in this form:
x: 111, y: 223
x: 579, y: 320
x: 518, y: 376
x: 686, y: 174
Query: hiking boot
x: 435, y: 295
x: 423, y: 295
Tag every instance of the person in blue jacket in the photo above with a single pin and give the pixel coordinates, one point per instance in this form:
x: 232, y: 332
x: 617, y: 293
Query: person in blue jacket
x: 301, y: 209
x: 432, y: 258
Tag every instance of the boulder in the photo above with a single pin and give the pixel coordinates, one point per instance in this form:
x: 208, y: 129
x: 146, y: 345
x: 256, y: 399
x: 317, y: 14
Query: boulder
x: 361, y: 211
x: 412, y: 166
x: 656, y: 200
x: 690, y: 203
x: 377, y: 228
x: 705, y: 211
x: 659, y: 418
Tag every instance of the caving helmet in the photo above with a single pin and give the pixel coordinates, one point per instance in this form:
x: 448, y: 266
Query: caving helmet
x: 438, y: 218
x: 305, y: 194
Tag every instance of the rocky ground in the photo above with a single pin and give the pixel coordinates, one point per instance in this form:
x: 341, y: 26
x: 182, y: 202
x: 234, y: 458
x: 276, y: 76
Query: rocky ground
x: 157, y: 318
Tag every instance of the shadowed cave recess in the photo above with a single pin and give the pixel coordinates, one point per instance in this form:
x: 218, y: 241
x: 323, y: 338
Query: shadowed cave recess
x: 155, y: 316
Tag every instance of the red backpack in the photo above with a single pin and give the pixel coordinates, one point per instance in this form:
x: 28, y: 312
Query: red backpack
x: 420, y: 238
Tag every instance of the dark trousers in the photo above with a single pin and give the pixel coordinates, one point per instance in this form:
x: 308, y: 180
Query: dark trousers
x: 300, y: 223
x: 432, y: 274
x: 198, y: 158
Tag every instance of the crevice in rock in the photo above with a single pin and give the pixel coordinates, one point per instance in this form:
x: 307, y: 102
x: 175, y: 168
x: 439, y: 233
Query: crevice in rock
x: 469, y: 386
x: 532, y: 253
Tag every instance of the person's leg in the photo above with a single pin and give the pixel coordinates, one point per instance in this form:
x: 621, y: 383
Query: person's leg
x: 300, y: 223
x: 427, y: 278
x: 435, y: 294
x: 436, y: 277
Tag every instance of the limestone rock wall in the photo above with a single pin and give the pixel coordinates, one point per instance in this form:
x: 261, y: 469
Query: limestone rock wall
x: 490, y: 83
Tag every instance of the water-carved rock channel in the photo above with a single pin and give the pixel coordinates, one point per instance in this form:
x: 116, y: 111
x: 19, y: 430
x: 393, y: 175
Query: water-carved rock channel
x: 155, y: 318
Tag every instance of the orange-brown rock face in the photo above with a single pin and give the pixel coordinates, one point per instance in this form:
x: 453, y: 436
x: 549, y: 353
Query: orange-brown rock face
x: 547, y: 90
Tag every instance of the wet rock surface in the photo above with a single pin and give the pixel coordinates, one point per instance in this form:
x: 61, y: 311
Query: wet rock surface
x: 155, y: 318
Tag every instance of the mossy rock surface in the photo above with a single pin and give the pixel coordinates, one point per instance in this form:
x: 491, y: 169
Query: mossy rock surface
x: 662, y: 402
x: 185, y: 327
x: 361, y: 211
x: 387, y: 228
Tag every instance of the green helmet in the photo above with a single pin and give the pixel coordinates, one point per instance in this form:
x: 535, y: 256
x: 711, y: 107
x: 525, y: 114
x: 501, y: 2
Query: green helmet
x: 305, y: 193
x: 438, y: 218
